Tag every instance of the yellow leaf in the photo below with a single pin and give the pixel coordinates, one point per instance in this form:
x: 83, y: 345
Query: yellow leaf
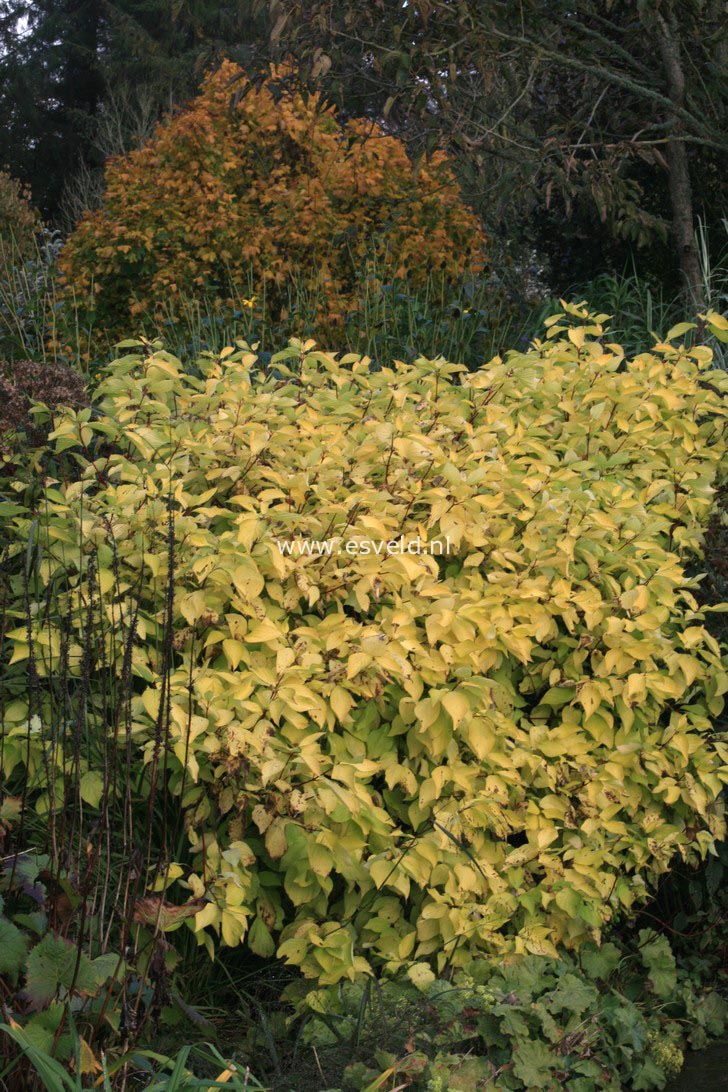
x: 457, y: 706
x: 356, y: 664
x: 341, y: 702
x: 263, y: 633
x: 275, y: 839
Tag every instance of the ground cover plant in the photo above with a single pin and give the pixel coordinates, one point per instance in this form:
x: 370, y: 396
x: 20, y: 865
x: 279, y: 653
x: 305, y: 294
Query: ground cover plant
x: 618, y: 1016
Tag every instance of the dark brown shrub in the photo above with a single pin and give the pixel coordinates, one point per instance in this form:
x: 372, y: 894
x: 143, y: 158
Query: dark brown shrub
x: 25, y: 382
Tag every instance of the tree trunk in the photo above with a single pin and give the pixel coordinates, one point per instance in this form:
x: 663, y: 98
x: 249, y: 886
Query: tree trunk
x: 681, y: 194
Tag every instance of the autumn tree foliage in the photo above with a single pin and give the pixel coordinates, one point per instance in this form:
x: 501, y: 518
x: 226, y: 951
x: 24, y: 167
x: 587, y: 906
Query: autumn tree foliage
x: 19, y: 221
x: 259, y: 187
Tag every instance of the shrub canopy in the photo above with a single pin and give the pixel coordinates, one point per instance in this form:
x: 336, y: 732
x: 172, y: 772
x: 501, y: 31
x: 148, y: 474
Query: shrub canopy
x: 391, y: 760
x: 259, y: 189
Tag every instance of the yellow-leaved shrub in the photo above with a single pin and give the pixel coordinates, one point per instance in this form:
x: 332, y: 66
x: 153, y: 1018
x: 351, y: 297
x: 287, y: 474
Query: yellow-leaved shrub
x: 400, y: 759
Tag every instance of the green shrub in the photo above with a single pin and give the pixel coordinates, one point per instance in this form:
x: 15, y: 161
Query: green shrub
x: 404, y: 759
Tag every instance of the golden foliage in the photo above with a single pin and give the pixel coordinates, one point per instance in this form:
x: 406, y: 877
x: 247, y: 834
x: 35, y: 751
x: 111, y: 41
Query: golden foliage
x: 402, y: 759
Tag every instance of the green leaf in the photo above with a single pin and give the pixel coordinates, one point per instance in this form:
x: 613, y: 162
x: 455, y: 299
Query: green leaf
x: 600, y: 962
x: 569, y: 900
x: 648, y: 1075
x: 259, y: 939
x: 10, y: 508
x: 533, y: 1063
x: 573, y: 994
x: 711, y: 1012
x: 104, y: 966
x: 41, y: 1031
x: 13, y: 949
x: 52, y: 966
x: 660, y: 962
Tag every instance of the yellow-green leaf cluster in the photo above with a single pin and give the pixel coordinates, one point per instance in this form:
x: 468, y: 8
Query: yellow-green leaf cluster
x: 403, y: 758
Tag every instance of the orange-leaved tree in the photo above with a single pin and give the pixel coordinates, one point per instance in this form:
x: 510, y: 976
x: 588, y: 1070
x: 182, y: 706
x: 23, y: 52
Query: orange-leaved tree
x: 258, y: 189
